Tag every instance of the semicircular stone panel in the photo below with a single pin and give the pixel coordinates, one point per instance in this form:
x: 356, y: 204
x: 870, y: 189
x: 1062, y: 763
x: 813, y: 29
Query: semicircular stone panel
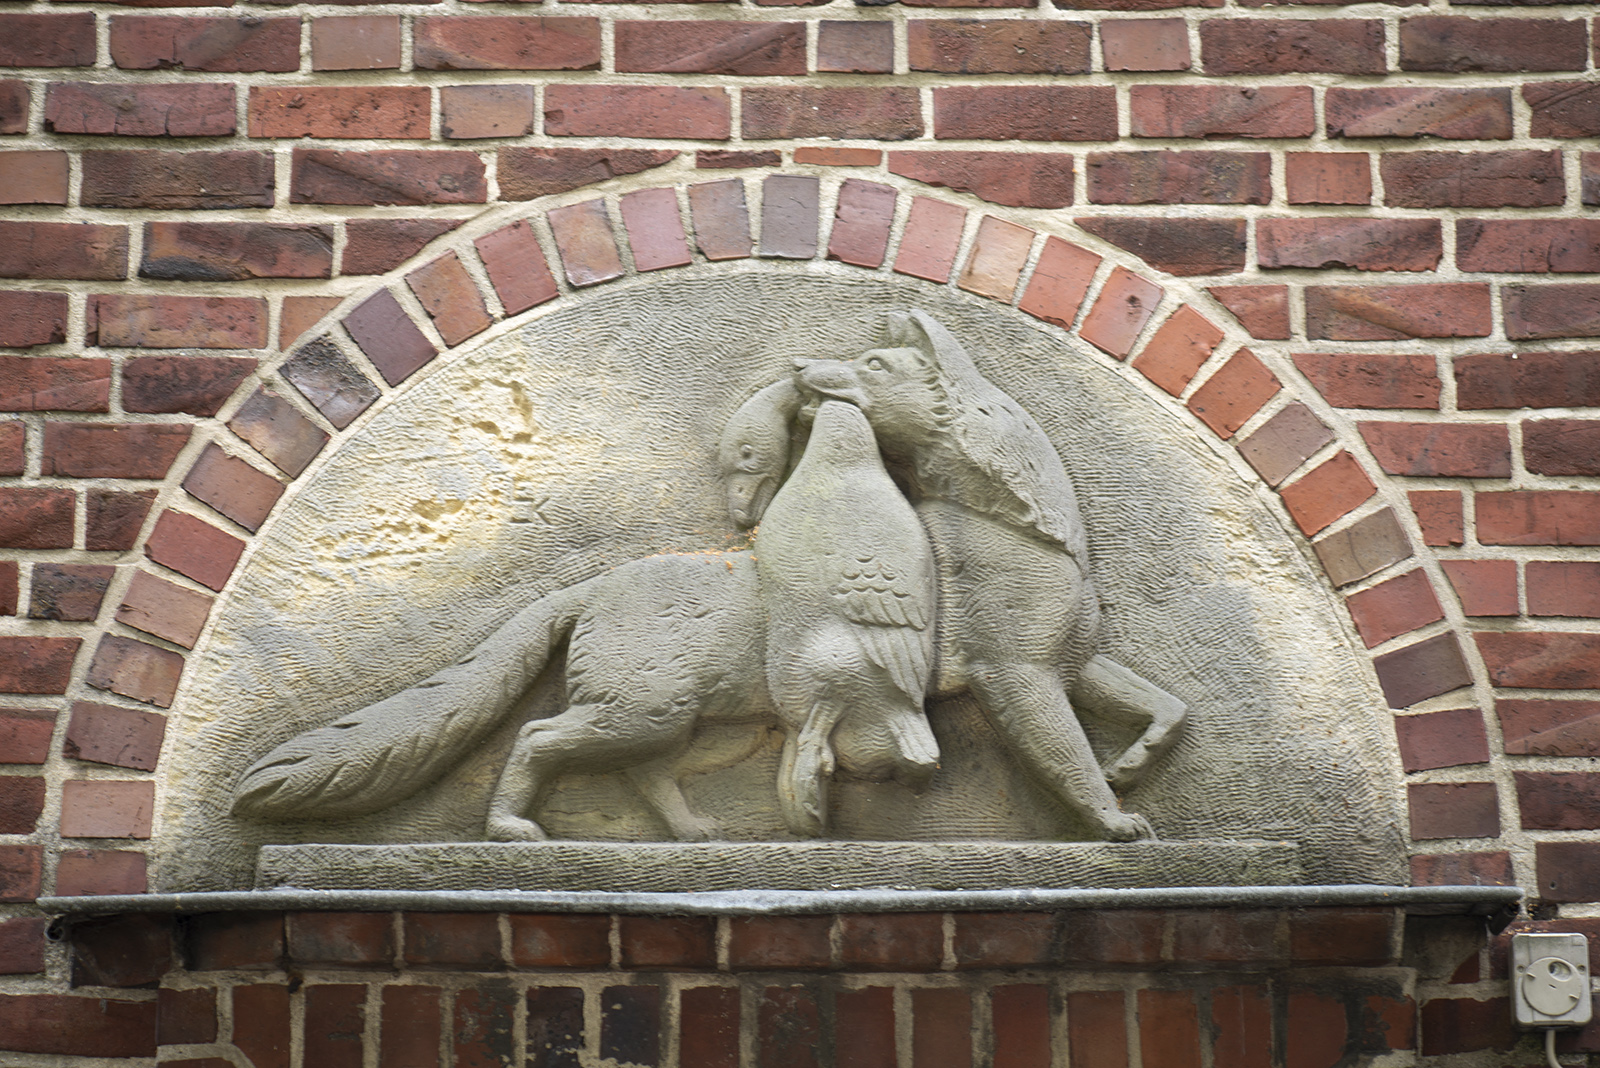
x: 585, y: 438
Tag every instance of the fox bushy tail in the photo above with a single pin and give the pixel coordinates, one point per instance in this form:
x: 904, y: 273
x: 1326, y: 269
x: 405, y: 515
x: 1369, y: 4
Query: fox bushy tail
x: 376, y: 756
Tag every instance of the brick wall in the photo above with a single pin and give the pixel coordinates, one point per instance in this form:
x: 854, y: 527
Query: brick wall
x: 1326, y: 233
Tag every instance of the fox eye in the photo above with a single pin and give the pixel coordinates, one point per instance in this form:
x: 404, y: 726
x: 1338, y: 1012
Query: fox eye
x: 874, y: 364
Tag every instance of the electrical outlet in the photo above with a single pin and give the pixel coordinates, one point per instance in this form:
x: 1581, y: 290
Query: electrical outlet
x: 1550, y: 980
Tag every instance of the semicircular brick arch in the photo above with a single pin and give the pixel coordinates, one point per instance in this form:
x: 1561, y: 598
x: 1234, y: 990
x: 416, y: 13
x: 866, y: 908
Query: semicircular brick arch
x: 1181, y: 345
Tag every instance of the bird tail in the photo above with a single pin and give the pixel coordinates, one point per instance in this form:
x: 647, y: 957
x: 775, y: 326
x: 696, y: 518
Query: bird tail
x: 385, y: 752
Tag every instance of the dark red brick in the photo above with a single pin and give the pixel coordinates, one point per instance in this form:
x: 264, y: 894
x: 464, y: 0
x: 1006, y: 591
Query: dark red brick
x: 36, y: 665
x: 1528, y: 245
x: 20, y: 867
x: 941, y: 1028
x: 1365, y: 937
x: 36, y: 517
x: 1558, y: 801
x: 710, y: 47
x: 61, y: 384
x: 22, y: 943
x: 529, y: 173
x: 1226, y: 936
x: 1394, y: 607
x: 1563, y: 109
x: 112, y: 450
x: 196, y: 385
x: 1169, y: 1029
x: 1169, y: 177
x: 1439, y: 514
x: 630, y: 1024
x: 1032, y: 180
x: 278, y: 432
x: 450, y: 297
x: 638, y: 111
x: 53, y: 40
x: 1454, y: 810
x: 668, y: 941
x: 1394, y: 313
x: 177, y: 180
x: 716, y: 159
x: 30, y: 318
x: 1429, y: 668
x: 864, y: 1027
x: 1539, y: 517
x: 232, y: 252
x: 1466, y: 1025
x: 1372, y: 381
x: 1328, y: 177
x: 1262, y: 310
x: 1462, y: 869
x: 1567, y: 871
x: 1532, y: 660
x: 1318, y: 1030
x: 261, y: 1024
x: 911, y: 941
x: 121, y: 951
x: 330, y: 176
x: 1021, y: 1015
x: 1442, y: 739
x: 194, y: 109
x: 355, y: 42
x: 1177, y: 246
x: 135, y: 669
x: 25, y: 735
x: 376, y: 246
x: 234, y: 488
x: 1005, y: 939
x: 1241, y: 1021
x: 1485, y: 587
x: 789, y: 1029
x: 113, y: 519
x: 188, y: 42
x: 1291, y: 46
x: 1097, y: 1029
x: 15, y: 101
x: 194, y: 548
x: 464, y: 941
x: 13, y: 436
x: 21, y: 802
x: 780, y: 943
x: 77, y: 1026
x: 1527, y: 178
x: 655, y: 229
x: 107, y: 734
x: 1450, y: 450
x: 480, y: 42
x: 1456, y: 114
x: 1561, y: 588
x: 341, y: 939
x: 708, y: 1028
x: 412, y: 1028
x: 164, y: 609
x: 888, y: 114
x: 335, y: 1022
x: 560, y: 941
x: 1113, y: 936
x: 1352, y: 244
x: 1233, y: 393
x: 1445, y: 43
x: 63, y: 250
x: 1010, y: 46
x: 70, y: 592
x: 516, y: 267
x: 1025, y: 113
x: 327, y: 378
x: 854, y: 48
x: 1551, y: 311
x: 1220, y: 111
x: 172, y: 322
x: 388, y: 337
x: 234, y: 940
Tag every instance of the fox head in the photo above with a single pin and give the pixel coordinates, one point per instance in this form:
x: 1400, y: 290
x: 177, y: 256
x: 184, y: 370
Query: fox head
x: 900, y: 388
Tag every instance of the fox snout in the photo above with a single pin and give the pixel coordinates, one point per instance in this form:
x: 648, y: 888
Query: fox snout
x: 831, y: 378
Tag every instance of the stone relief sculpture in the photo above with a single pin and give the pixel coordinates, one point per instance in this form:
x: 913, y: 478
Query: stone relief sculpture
x: 858, y: 599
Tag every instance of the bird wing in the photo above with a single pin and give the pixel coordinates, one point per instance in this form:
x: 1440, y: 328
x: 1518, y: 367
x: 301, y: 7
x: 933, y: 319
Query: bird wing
x: 892, y: 612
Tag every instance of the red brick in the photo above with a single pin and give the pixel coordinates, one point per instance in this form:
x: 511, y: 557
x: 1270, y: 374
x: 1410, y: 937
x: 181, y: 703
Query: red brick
x: 842, y: 157
x: 36, y: 665
x: 789, y: 223
x: 9, y: 591
x: 151, y: 42
x: 1021, y: 1017
x: 277, y: 431
x: 630, y: 1024
x: 1177, y: 350
x: 32, y: 318
x: 197, y: 385
x: 895, y: 942
x: 1262, y: 310
x: 1563, y: 109
x: 1394, y: 607
x: 135, y: 669
x: 788, y: 1028
x: 261, y: 1024
x: 1004, y: 939
x: 1317, y: 1030
x: 1328, y: 177
x: 20, y: 866
x: 377, y: 246
x: 1241, y: 1021
x: 1114, y: 936
x: 787, y: 943
x: 1220, y: 111
x: 169, y: 322
x: 391, y: 111
x: 164, y: 609
x: 655, y: 229
x: 1353, y: 244
x: 1539, y: 517
x: 1551, y: 661
x: 77, y: 1026
x: 114, y: 520
x: 63, y: 250
x: 1450, y: 450
x: 411, y: 1027
x: 1394, y: 313
x: 106, y: 808
x: 25, y: 735
x: 1059, y: 282
x: 708, y: 1028
x: 1232, y: 935
x: 112, y: 450
x: 637, y: 111
x: 719, y: 159
x: 33, y: 177
x: 388, y: 337
x: 1169, y: 1029
x: 329, y: 381
x: 335, y: 1021
x: 1177, y: 246
x: 1280, y: 445
x: 1558, y: 801
x: 1515, y: 179
x: 1462, y: 869
x: 932, y: 236
x: 234, y: 488
x: 1034, y: 179
x: 1551, y: 311
x: 854, y: 48
x: 529, y: 173
x: 1465, y: 1025
x: 1131, y: 5
x: 329, y: 176
x: 1233, y: 393
x: 1550, y: 728
x: 22, y: 943
x: 1290, y: 46
x: 178, y: 180
x: 1372, y: 381
x: 1443, y: 43
x: 194, y: 109
x: 861, y: 223
x: 355, y: 42
x: 15, y: 100
x: 480, y: 42
x: 1010, y: 46
x: 1179, y: 177
x: 21, y: 802
x: 999, y: 253
x: 516, y: 267
x: 1025, y: 113
x: 1145, y: 44
x: 1563, y: 588
x: 710, y: 47
x: 864, y: 1028
x: 12, y: 440
x: 194, y: 548
x: 1439, y: 514
x: 1125, y: 304
x: 341, y: 939
x: 59, y: 384
x: 668, y: 941
x: 1442, y: 739
x: 449, y: 296
x: 300, y: 315
x: 558, y: 941
x: 586, y: 244
x: 1427, y: 669
x: 1327, y: 492
x: 1458, y: 114
x: 1528, y: 245
x: 232, y: 252
x: 1485, y: 587
x: 888, y: 114
x: 70, y: 592
x: 1454, y: 810
x: 468, y: 112
x: 1097, y: 1029
x: 53, y: 40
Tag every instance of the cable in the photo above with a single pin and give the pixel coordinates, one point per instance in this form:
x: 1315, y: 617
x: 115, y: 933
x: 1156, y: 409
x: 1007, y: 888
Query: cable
x: 1550, y: 1048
